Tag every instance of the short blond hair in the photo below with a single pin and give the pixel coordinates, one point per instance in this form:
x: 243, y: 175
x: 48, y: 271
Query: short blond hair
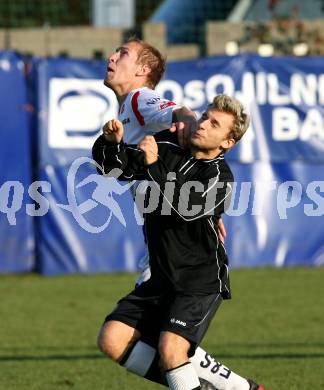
x: 230, y: 105
x: 149, y: 55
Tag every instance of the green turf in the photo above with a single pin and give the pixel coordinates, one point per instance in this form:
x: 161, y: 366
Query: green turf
x: 272, y: 330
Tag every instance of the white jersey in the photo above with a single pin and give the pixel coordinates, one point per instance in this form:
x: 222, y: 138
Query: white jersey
x: 142, y: 113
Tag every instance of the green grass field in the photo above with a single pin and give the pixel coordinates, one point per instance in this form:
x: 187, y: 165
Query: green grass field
x: 272, y: 330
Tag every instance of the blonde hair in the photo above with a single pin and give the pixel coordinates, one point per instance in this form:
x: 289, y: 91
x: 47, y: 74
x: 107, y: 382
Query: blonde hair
x: 149, y: 55
x: 230, y: 105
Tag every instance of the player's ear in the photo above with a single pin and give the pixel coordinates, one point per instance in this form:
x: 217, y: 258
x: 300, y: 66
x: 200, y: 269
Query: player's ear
x: 227, y: 144
x: 143, y: 70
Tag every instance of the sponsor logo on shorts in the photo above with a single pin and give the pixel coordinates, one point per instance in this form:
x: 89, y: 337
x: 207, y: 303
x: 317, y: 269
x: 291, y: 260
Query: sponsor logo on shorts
x: 178, y: 322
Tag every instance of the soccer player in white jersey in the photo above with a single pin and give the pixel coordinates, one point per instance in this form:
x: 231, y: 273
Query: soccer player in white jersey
x: 133, y: 71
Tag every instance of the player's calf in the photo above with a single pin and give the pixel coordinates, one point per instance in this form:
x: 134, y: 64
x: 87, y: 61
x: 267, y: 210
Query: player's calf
x: 173, y: 350
x: 180, y: 373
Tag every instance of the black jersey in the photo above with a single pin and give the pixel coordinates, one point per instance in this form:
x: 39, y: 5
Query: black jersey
x: 183, y: 198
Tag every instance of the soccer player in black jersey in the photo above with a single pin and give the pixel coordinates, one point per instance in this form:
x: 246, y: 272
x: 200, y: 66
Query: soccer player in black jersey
x: 171, y: 312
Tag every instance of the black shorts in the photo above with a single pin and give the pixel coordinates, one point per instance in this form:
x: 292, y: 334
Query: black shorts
x: 152, y: 311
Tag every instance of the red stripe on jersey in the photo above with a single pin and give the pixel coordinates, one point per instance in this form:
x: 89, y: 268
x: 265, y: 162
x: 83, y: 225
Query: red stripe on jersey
x: 138, y: 115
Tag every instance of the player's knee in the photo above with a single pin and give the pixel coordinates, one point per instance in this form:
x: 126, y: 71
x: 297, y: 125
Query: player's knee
x: 107, y: 344
x: 114, y: 340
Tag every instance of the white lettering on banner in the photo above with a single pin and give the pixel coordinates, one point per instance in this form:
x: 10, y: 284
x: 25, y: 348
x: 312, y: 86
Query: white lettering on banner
x: 313, y: 126
x: 273, y: 94
x: 304, y: 89
x: 194, y: 94
x: 260, y: 87
x: 286, y: 125
x: 220, y: 83
x: 321, y: 89
x: 247, y: 94
x: 261, y: 91
x: 78, y: 108
x: 174, y: 88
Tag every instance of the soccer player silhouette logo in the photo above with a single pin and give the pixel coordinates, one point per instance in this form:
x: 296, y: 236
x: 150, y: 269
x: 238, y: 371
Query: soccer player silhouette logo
x: 106, y: 187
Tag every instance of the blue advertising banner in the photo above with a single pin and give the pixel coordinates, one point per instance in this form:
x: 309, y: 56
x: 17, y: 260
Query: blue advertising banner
x: 285, y: 97
x: 89, y: 223
x: 16, y: 226
x: 275, y: 217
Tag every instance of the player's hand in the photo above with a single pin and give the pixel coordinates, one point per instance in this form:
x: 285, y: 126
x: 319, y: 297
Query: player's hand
x: 184, y: 131
x: 221, y: 231
x: 150, y: 149
x: 113, y: 131
x: 185, y: 125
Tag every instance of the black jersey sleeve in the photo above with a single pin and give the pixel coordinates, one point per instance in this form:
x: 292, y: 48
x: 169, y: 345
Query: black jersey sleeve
x: 199, y: 196
x: 126, y: 159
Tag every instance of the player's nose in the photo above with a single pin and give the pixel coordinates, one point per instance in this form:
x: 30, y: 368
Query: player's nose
x: 113, y: 57
x: 201, y: 123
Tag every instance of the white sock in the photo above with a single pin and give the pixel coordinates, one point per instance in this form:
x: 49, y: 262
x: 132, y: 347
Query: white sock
x: 183, y: 378
x: 140, y: 359
x: 216, y: 373
x: 142, y: 356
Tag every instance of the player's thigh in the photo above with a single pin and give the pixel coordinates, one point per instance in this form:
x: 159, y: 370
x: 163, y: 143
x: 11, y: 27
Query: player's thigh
x: 118, y: 332
x: 139, y: 310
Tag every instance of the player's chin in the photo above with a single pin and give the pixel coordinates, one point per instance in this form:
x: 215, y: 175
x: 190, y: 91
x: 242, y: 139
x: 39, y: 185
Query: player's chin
x: 108, y: 81
x: 195, y: 141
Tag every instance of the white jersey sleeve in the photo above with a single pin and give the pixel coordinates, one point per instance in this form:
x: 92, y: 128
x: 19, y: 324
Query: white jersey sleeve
x: 145, y: 112
x: 153, y: 112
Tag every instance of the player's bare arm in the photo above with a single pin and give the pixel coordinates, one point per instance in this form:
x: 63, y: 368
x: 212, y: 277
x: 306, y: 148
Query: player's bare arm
x: 150, y: 148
